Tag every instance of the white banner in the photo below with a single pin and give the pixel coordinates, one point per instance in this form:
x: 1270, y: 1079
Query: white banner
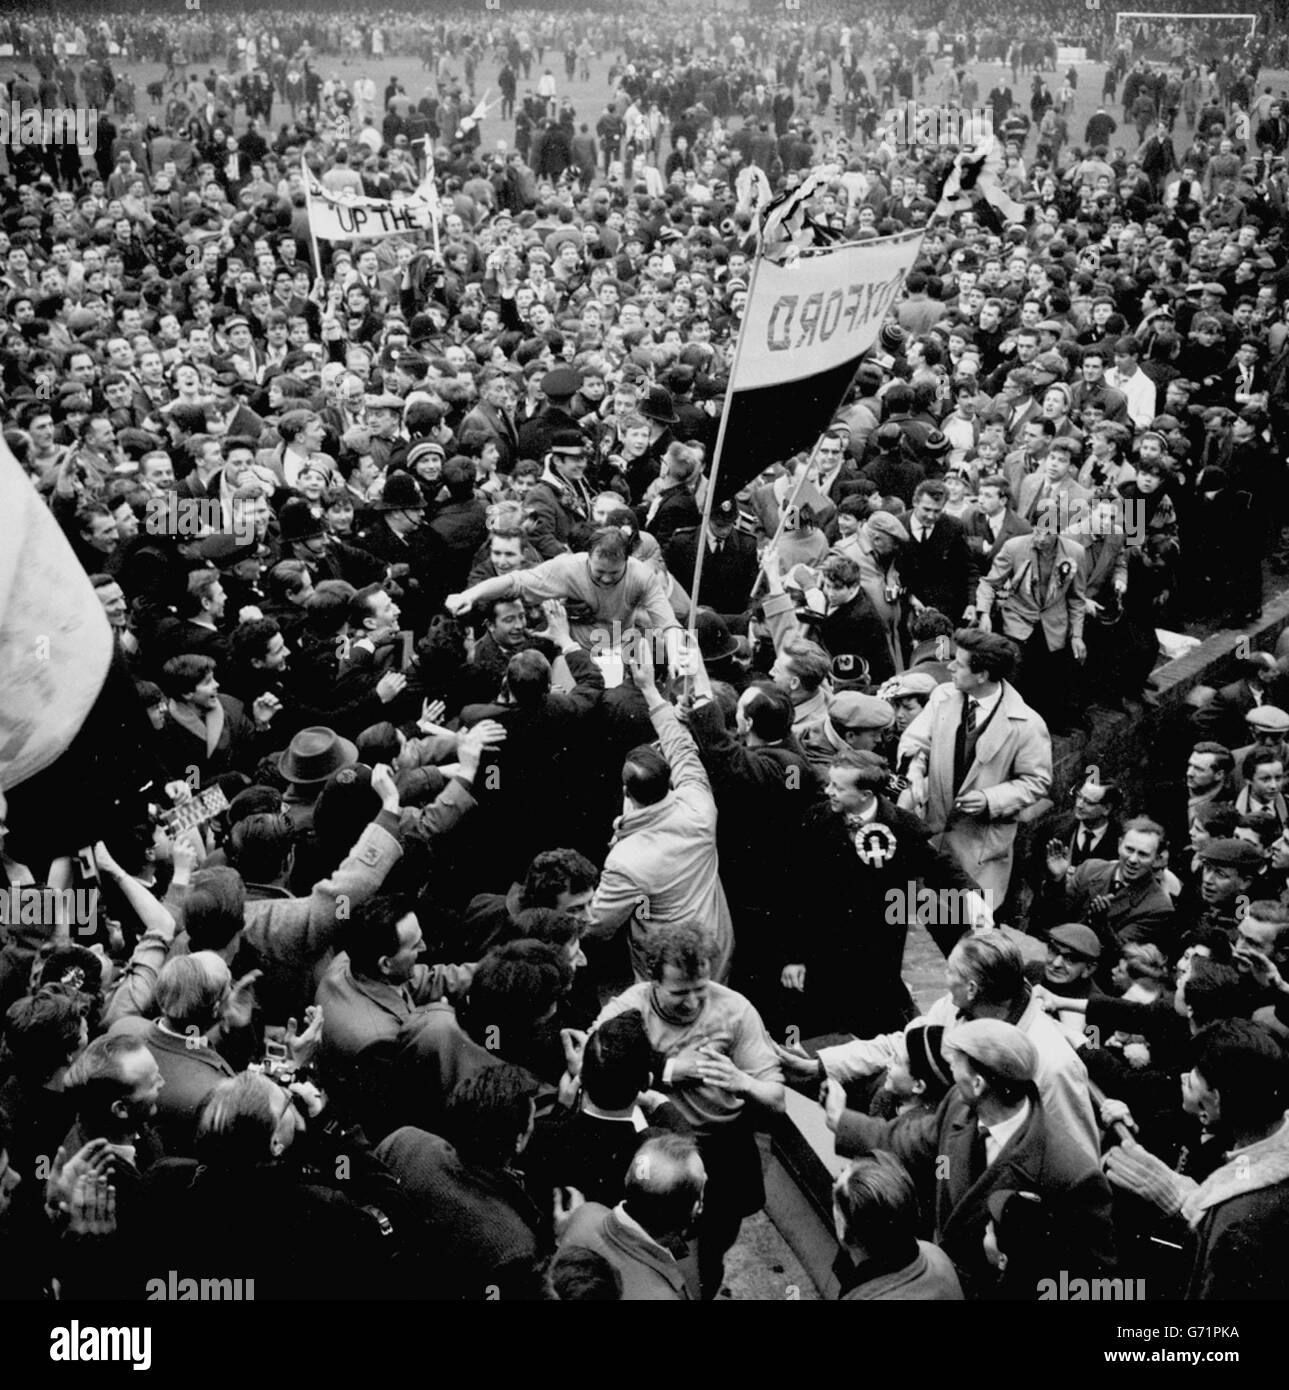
x: 333, y: 218
x: 821, y: 311
x: 55, y: 642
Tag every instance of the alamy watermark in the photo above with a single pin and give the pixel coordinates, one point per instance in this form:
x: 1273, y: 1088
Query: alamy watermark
x: 911, y: 123
x: 35, y: 128
x: 191, y: 517
x: 1069, y: 1290
x: 33, y: 905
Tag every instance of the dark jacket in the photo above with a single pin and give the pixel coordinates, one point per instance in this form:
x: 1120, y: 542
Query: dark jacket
x: 478, y: 1234
x: 854, y: 953
x: 1138, y: 912
x: 1037, y: 1158
x: 938, y: 570
x: 728, y: 577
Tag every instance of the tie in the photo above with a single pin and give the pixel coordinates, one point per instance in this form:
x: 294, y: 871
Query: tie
x: 969, y: 715
x: 718, y: 547
x: 979, y: 1154
x: 1084, y: 841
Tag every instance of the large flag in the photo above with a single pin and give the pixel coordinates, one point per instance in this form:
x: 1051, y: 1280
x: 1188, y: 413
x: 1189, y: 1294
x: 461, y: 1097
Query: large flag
x: 805, y: 327
x: 55, y: 642
x: 785, y: 225
x: 336, y: 218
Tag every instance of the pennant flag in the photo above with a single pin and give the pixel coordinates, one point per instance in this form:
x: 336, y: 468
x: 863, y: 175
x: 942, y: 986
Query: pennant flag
x: 336, y: 218
x: 805, y: 327
x: 469, y: 122
x: 786, y: 228
x: 753, y: 189
x: 977, y: 174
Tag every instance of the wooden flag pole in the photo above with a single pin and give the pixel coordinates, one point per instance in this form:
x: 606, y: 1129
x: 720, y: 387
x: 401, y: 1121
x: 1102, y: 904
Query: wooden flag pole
x: 308, y: 212
x: 710, y: 496
x: 786, y: 510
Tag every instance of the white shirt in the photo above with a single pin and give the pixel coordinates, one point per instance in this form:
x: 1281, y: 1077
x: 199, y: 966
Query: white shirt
x: 998, y: 1136
x: 985, y: 706
x: 1140, y: 391
x: 1094, y: 836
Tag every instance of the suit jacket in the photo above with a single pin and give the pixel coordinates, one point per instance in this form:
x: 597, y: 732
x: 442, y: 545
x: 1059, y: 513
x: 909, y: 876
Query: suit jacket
x: 478, y: 1235
x: 1012, y: 767
x: 484, y: 423
x: 649, y: 1273
x: 1068, y: 492
x: 981, y: 543
x: 1141, y: 912
x: 1013, y: 582
x: 727, y: 578
x: 190, y: 1073
x: 938, y: 570
x: 1223, y: 718
x: 856, y: 627
x: 1037, y: 1158
x: 1107, y: 558
x: 676, y: 509
x: 928, y: 1278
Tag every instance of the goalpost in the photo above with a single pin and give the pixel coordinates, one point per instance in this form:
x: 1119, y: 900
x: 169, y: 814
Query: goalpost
x: 1133, y: 15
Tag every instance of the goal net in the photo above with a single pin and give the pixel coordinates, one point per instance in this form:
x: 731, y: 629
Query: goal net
x: 1169, y: 35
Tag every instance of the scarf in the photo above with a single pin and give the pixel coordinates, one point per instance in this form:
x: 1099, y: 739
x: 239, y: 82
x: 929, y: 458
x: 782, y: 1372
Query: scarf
x: 211, y: 728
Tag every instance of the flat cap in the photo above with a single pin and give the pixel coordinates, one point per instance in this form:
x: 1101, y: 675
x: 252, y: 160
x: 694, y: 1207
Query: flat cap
x: 1078, y: 938
x: 387, y: 400
x: 859, y: 713
x: 1268, y: 719
x: 910, y: 683
x: 887, y: 525
x: 999, y: 1047
x: 1232, y: 854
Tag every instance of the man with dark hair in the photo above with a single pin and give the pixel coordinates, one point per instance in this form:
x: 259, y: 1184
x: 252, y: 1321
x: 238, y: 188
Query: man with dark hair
x: 875, y: 1214
x: 479, y: 1235
x: 590, y: 1147
x: 859, y: 852
x: 561, y: 880
x: 205, y: 730
x: 936, y: 564
x: 1238, y: 1215
x: 977, y: 756
x: 662, y: 867
x: 369, y: 993
x: 763, y: 785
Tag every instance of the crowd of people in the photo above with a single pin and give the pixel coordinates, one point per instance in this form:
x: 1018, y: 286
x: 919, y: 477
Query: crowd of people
x: 465, y: 888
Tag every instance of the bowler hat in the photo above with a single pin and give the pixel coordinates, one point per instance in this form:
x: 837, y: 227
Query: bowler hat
x: 314, y: 754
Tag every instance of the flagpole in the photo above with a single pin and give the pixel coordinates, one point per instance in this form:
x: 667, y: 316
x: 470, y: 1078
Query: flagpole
x: 308, y: 212
x: 710, y: 496
x: 429, y: 174
x: 786, y: 510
